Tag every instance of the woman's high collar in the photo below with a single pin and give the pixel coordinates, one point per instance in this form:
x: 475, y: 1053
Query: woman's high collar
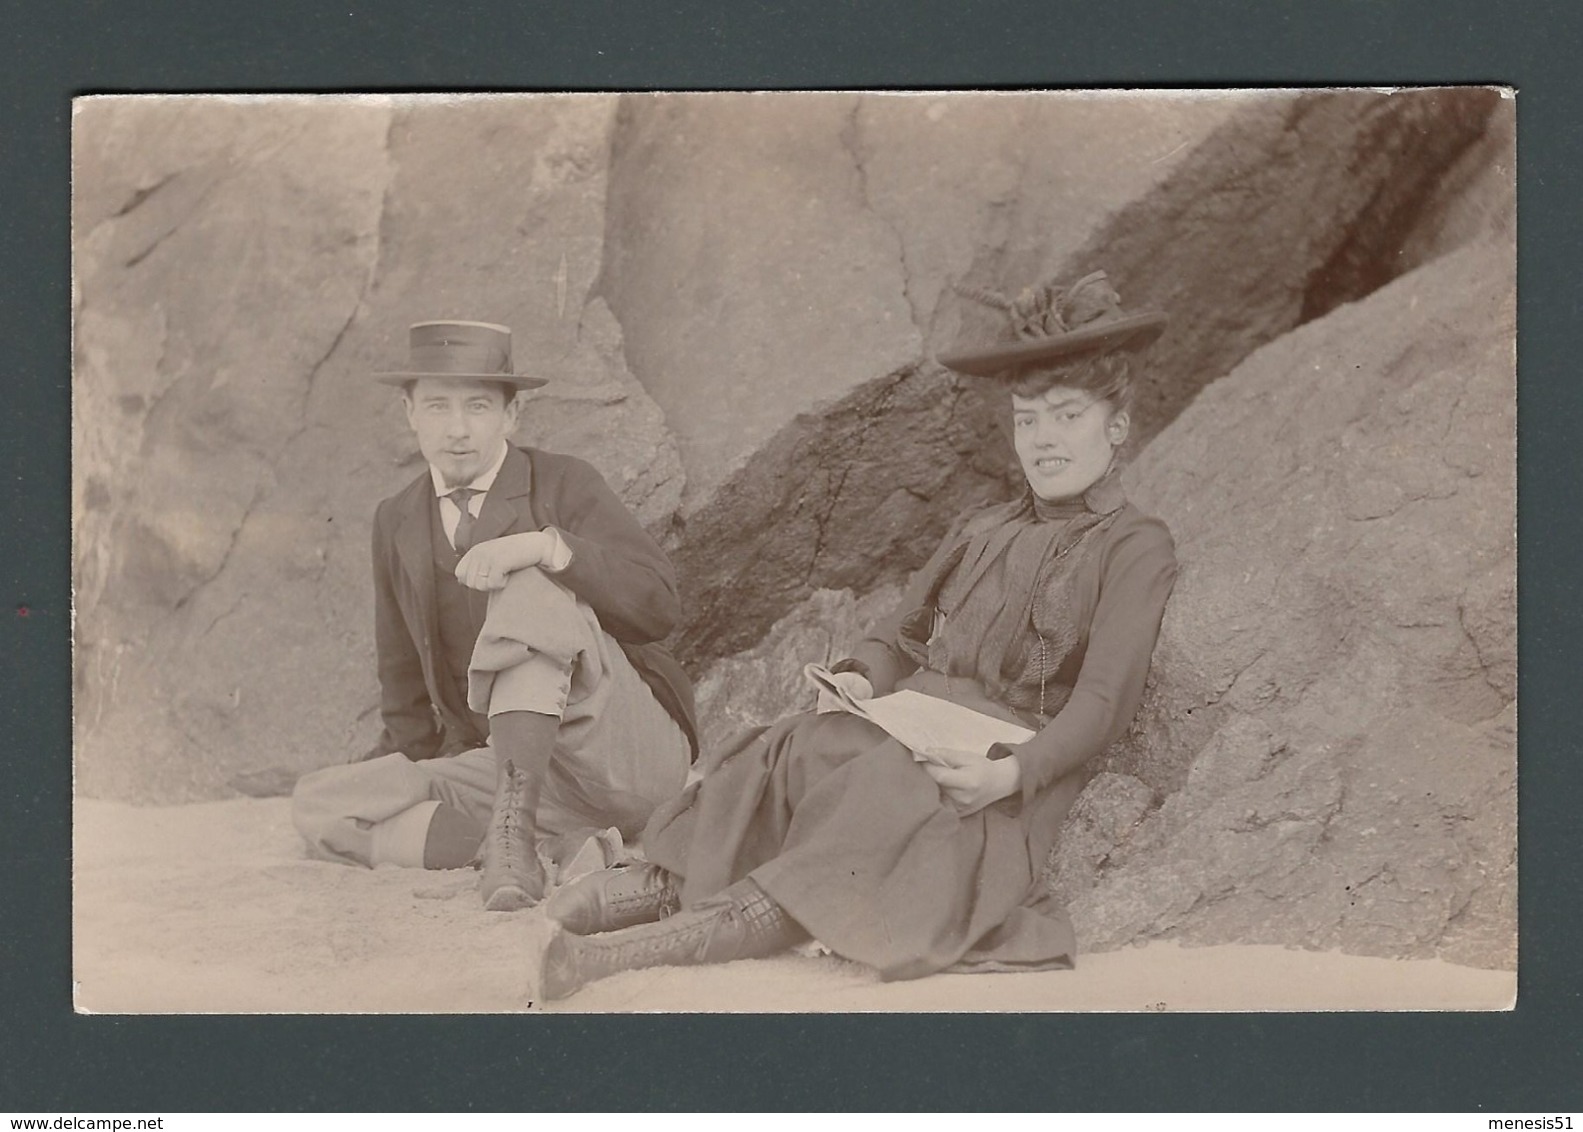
x: 1103, y: 496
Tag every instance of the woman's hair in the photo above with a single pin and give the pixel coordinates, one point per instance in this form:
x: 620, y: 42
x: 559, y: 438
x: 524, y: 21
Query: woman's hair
x: 1108, y: 376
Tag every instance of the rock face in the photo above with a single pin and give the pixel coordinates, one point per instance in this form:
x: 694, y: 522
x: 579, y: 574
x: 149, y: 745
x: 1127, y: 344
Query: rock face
x: 778, y: 266
x: 765, y: 683
x: 1327, y: 753
x: 768, y: 255
x: 1475, y: 198
x: 1291, y: 208
x: 242, y: 267
x: 1249, y: 216
x: 222, y: 252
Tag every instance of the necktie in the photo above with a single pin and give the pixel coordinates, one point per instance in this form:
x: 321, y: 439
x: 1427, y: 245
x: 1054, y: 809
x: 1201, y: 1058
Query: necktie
x: 463, y: 539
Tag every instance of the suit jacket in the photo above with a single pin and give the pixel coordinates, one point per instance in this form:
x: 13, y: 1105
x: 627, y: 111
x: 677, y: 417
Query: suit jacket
x: 616, y: 568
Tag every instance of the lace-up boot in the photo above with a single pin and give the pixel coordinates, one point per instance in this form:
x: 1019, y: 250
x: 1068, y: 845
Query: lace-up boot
x: 513, y: 877
x: 617, y: 898
x: 740, y: 923
x: 523, y: 742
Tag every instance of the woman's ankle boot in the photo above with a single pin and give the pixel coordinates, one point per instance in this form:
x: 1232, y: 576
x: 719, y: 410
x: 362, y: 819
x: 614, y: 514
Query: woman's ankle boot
x: 740, y: 923
x: 617, y: 898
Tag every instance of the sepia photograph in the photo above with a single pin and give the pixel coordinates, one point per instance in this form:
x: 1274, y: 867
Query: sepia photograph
x: 795, y: 552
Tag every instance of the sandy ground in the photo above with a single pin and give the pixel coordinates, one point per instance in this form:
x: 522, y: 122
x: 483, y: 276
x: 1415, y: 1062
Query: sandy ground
x: 215, y: 908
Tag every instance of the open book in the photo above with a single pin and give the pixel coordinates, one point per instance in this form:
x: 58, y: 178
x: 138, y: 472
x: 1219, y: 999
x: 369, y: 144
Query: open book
x: 935, y: 730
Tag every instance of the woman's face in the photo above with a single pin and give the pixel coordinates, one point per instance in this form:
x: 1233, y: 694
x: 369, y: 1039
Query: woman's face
x: 1065, y: 439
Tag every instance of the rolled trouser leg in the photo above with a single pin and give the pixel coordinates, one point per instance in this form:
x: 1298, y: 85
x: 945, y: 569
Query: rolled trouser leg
x: 430, y: 835
x: 370, y: 813
x: 740, y: 923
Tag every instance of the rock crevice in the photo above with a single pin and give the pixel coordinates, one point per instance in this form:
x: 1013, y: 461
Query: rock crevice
x: 852, y: 140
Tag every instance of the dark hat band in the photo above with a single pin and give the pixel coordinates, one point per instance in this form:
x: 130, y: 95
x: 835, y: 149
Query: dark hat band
x: 449, y: 356
x: 475, y: 351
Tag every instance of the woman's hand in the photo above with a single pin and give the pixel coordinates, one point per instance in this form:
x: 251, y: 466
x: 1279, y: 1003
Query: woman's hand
x: 977, y: 784
x: 855, y: 684
x: 489, y: 564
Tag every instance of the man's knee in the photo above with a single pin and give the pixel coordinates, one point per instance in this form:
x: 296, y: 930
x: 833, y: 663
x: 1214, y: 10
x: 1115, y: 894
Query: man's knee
x: 533, y: 636
x: 538, y: 589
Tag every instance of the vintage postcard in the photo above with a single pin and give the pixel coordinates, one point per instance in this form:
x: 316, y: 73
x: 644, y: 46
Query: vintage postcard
x: 463, y: 485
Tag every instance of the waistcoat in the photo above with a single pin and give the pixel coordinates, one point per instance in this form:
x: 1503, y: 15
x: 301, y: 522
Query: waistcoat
x: 461, y: 613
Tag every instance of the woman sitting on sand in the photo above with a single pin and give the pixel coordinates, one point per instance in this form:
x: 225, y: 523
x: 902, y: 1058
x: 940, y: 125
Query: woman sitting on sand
x: 1042, y: 611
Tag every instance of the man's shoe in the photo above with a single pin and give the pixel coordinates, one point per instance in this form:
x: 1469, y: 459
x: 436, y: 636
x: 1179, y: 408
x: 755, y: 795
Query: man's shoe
x: 513, y: 878
x: 612, y: 899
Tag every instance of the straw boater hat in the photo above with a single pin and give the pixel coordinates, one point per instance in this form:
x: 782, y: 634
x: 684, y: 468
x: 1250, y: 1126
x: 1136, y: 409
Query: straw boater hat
x: 473, y: 351
x: 1051, y: 324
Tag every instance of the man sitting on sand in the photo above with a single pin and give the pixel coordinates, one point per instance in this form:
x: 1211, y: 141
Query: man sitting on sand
x: 519, y: 614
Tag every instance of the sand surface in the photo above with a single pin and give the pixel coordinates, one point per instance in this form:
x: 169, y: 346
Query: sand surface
x: 215, y: 908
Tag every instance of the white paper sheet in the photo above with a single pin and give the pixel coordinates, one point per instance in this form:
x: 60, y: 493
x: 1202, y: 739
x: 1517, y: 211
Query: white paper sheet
x: 935, y: 730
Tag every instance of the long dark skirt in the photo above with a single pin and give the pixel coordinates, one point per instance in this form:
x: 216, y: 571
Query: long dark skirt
x: 838, y: 824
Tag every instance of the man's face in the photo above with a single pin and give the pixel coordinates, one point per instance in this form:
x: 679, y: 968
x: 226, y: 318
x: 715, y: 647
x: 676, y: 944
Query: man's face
x: 1065, y: 440
x: 461, y: 425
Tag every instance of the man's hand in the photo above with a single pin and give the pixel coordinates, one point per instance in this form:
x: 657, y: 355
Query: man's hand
x: 856, y: 686
x: 979, y: 783
x: 489, y: 564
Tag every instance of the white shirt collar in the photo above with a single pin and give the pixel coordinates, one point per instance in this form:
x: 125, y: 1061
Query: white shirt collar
x: 481, y: 483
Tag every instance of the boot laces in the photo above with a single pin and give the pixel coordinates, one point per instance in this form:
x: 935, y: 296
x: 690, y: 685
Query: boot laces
x: 508, y: 817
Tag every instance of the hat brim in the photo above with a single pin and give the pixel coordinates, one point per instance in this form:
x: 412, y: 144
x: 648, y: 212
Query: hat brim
x: 1132, y: 332
x: 520, y: 380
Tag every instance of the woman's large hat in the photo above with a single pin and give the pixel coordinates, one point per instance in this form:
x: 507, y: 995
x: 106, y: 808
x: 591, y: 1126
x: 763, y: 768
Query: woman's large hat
x: 475, y: 351
x: 1051, y: 324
